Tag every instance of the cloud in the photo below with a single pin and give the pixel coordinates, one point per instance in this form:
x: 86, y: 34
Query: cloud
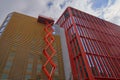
x: 8, y: 6
x: 54, y: 8
x: 110, y: 12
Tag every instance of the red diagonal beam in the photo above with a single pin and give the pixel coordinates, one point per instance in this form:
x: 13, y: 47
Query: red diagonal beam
x: 48, y: 29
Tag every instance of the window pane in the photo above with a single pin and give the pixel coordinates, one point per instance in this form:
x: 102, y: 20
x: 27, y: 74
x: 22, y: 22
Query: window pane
x: 2, y: 29
x: 0, y: 34
x: 8, y: 18
x: 27, y: 77
x: 4, y: 76
x: 12, y: 54
x: 31, y: 58
x: 8, y: 65
x: 29, y: 68
x: 39, y: 67
x: 5, y: 23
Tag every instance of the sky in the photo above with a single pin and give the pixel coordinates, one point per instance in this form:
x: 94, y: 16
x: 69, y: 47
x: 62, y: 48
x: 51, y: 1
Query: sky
x: 106, y: 9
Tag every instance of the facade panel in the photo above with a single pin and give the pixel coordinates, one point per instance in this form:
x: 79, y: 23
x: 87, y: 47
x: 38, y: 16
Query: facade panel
x: 21, y: 48
x: 93, y: 45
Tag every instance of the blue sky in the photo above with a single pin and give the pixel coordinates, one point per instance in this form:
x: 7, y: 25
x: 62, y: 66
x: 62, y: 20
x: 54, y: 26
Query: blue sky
x: 99, y: 3
x: 49, y: 4
x: 105, y: 9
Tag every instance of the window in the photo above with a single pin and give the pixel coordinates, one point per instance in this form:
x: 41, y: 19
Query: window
x: 5, y: 23
x: 8, y: 65
x: 8, y: 18
x: 66, y: 14
x: 9, y: 15
x: 39, y: 67
x: 39, y: 59
x: 2, y: 29
x: 11, y: 56
x: 31, y: 58
x: 38, y: 77
x: 56, y: 71
x: 77, y: 68
x: 56, y: 78
x: 29, y: 68
x: 0, y: 34
x: 27, y: 77
x: 84, y: 45
x: 73, y: 12
x: 88, y: 60
x: 4, y: 76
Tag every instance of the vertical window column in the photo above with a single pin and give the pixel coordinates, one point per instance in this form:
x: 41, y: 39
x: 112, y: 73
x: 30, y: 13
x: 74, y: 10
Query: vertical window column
x: 29, y: 66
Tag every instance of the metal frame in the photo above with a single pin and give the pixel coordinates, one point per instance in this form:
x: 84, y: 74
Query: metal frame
x: 49, y: 39
x: 99, y: 54
x: 46, y: 54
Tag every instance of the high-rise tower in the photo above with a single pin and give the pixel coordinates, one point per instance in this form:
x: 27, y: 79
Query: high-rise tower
x: 21, y: 49
x: 93, y: 46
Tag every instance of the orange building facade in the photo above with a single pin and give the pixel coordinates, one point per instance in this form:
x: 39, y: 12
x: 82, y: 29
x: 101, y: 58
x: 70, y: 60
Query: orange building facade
x: 87, y: 48
x: 21, y: 46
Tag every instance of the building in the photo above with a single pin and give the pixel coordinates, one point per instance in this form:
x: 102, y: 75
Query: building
x: 21, y: 48
x: 93, y: 46
x: 88, y: 46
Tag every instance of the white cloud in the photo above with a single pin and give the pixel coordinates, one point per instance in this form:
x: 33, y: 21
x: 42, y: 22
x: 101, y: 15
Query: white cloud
x: 111, y: 12
x: 36, y: 7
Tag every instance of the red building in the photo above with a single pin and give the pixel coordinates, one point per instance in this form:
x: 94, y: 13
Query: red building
x: 93, y: 46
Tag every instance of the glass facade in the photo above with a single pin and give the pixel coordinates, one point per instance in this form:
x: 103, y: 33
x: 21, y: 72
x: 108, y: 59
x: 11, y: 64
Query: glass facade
x: 93, y: 45
x: 3, y: 26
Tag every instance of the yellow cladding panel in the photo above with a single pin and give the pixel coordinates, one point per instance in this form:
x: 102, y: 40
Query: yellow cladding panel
x: 21, y: 46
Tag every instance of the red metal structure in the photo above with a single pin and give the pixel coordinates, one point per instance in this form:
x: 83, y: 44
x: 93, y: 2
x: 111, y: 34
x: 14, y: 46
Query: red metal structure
x: 49, y: 39
x: 93, y: 45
